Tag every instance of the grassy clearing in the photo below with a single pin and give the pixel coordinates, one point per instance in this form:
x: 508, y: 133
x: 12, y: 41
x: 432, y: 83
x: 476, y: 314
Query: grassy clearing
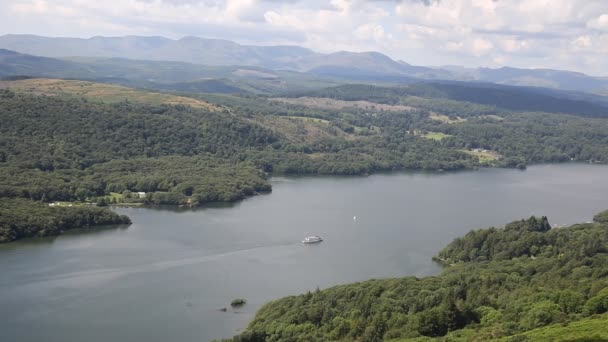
x: 114, y: 198
x: 492, y: 117
x: 327, y: 103
x: 310, y: 130
x: 119, y: 199
x: 300, y: 129
x: 445, y: 119
x: 316, y: 155
x: 67, y: 204
x: 485, y: 156
x: 100, y: 91
x: 437, y: 136
x: 308, y: 119
x: 590, y: 329
x: 373, y: 129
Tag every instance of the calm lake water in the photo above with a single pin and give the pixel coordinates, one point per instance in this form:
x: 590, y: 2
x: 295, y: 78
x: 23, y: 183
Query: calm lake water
x: 165, y: 277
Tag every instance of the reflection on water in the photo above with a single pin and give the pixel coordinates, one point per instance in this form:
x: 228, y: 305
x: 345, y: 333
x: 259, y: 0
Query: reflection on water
x: 73, y: 233
x: 186, y: 209
x: 167, y: 276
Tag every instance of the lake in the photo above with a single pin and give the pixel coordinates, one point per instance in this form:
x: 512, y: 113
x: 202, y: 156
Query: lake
x: 166, y: 277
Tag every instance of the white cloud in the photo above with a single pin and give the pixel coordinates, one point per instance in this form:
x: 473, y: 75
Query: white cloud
x: 599, y: 23
x: 38, y: 6
x: 524, y: 33
x: 341, y: 5
x: 481, y: 47
x: 582, y: 42
x: 513, y: 45
x: 370, y: 32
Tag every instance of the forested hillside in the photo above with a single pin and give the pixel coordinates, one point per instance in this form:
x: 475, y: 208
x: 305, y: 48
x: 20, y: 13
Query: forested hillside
x: 55, y: 148
x: 497, y: 283
x: 49, y: 133
x: 76, y: 141
x: 507, y: 98
x: 86, y: 132
x: 522, y: 126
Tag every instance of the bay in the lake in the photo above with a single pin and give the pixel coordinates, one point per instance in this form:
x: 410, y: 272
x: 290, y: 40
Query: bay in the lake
x: 166, y: 277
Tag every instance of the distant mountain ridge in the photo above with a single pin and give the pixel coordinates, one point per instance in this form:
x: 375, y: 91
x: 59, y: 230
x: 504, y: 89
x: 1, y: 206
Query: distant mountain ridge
x: 212, y: 52
x: 161, y: 75
x: 15, y: 63
x: 364, y: 66
x: 187, y: 49
x: 548, y: 78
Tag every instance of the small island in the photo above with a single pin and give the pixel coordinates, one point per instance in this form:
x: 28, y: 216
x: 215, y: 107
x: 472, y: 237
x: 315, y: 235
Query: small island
x: 238, y: 302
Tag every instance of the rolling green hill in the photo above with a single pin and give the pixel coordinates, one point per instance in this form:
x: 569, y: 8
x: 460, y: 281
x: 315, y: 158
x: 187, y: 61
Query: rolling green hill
x: 101, y: 92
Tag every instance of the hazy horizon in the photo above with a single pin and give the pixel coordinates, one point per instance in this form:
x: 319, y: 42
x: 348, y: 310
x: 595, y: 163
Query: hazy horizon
x: 559, y: 34
x: 294, y: 45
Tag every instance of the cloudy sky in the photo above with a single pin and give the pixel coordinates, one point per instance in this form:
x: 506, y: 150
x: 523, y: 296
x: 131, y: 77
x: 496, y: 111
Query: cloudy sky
x: 564, y: 34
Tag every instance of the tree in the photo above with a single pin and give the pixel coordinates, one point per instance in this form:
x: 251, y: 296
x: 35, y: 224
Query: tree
x: 433, y: 322
x: 101, y: 202
x: 597, y: 304
x: 601, y: 217
x: 540, y: 314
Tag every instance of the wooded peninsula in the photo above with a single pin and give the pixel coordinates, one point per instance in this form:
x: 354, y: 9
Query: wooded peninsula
x: 523, y: 282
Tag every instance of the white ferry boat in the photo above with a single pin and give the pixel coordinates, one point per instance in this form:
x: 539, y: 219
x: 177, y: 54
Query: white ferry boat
x: 312, y: 239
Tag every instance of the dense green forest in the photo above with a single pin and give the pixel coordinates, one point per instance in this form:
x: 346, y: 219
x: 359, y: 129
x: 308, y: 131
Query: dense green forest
x: 66, y: 148
x: 430, y: 133
x: 500, y: 97
x: 519, y: 282
x: 175, y: 180
x: 536, y: 128
x: 21, y: 218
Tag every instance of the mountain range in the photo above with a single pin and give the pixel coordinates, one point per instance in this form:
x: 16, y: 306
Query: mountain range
x: 197, y: 58
x: 161, y: 75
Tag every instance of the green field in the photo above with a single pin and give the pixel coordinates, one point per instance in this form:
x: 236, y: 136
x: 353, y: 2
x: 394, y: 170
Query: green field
x: 484, y: 156
x: 445, y: 119
x: 308, y: 119
x: 594, y: 329
x: 437, y: 136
